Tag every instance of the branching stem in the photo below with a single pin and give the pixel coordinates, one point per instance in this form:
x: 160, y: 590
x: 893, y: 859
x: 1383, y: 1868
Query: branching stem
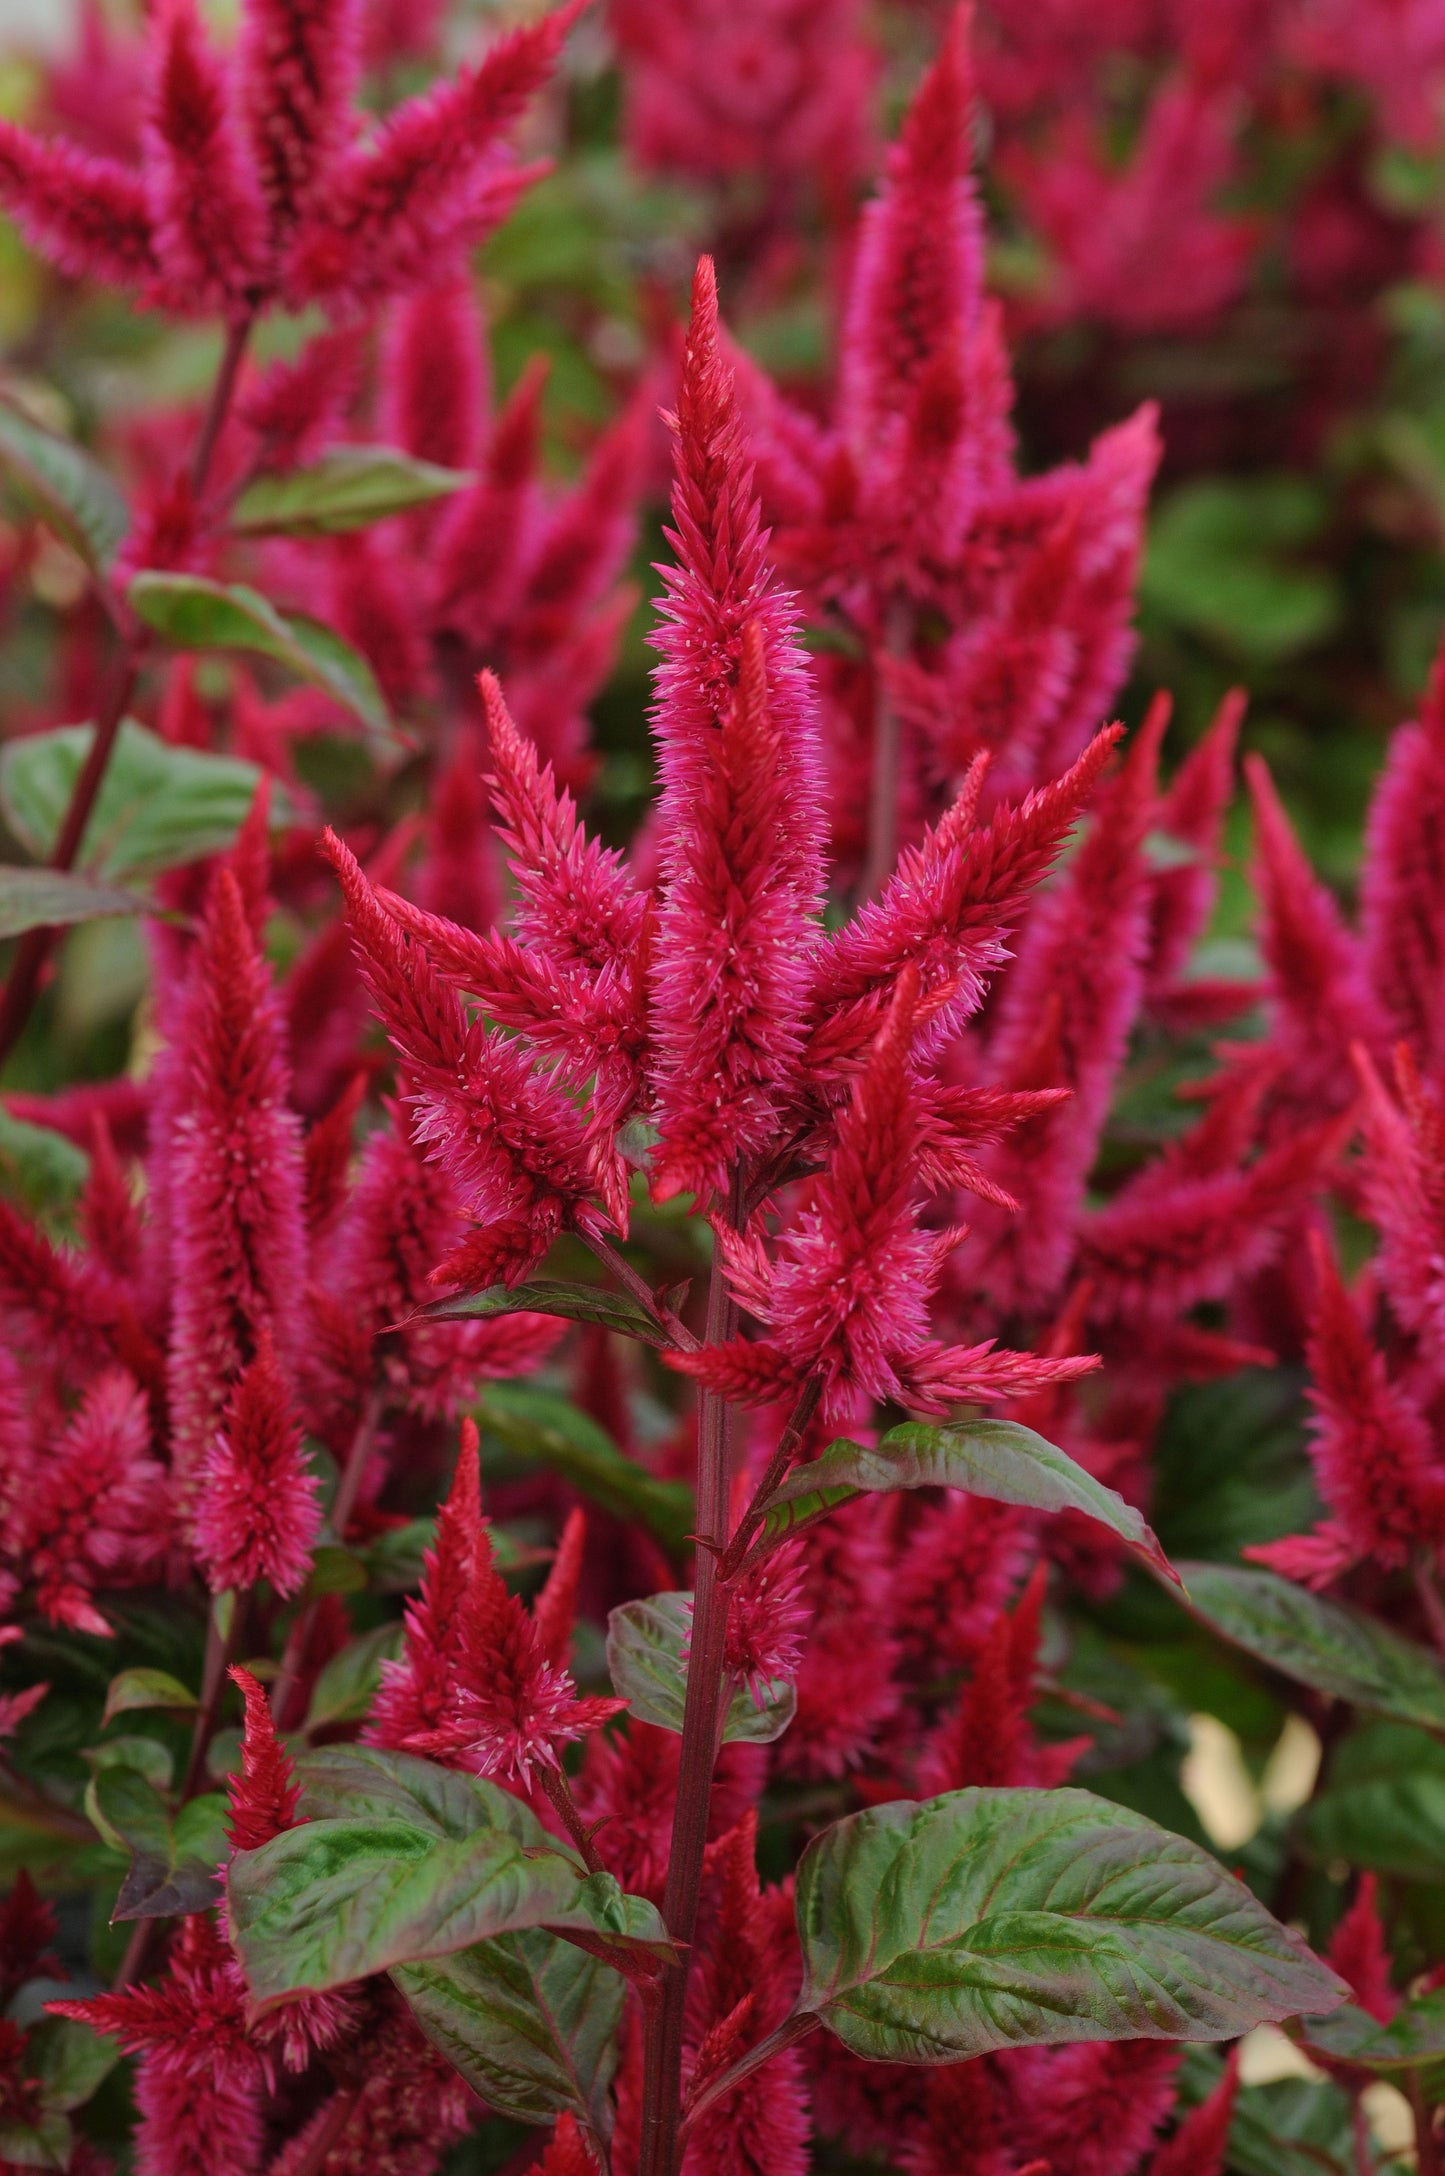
x: 701, y: 1732
x: 22, y: 985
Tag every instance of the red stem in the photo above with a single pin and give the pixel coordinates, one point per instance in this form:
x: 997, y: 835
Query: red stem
x: 1427, y: 2148
x: 793, y: 2028
x: 218, y: 407
x: 353, y: 1473
x: 773, y: 1472
x: 34, y: 949
x: 701, y: 1731
x: 559, y: 1790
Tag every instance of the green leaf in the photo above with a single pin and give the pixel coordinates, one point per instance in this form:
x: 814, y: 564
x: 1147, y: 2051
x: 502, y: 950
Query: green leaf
x: 176, y: 1874
x: 71, y: 493
x: 69, y: 2060
x: 644, y: 1658
x: 573, y: 1302
x: 40, y: 1166
x: 342, y: 1781
x: 158, y: 807
x: 994, y: 1458
x: 338, y: 1899
x: 347, y: 1686
x: 1328, y: 1645
x: 529, y: 2021
x: 537, y: 1424
x: 988, y: 1919
x: 54, y: 899
x: 348, y: 488
x: 1221, y: 562
x: 1392, y: 1824
x: 145, y: 1689
x: 335, y: 1570
x: 196, y: 614
x: 46, y: 2144
x: 1414, y: 2036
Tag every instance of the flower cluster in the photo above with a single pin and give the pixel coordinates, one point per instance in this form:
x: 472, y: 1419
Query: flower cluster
x: 572, y: 1377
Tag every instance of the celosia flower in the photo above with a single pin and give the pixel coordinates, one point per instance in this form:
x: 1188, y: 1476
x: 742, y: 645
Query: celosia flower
x: 257, y: 1515
x: 1374, y: 1454
x: 236, y: 1183
x: 508, y: 1708
x: 264, y: 1795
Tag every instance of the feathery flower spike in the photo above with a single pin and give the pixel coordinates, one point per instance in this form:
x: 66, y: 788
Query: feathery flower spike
x: 257, y: 1515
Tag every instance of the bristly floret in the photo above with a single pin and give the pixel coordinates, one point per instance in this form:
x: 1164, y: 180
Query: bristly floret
x: 479, y: 1681
x: 847, y: 1298
x: 734, y: 952
x: 948, y: 910
x: 207, y: 212
x: 510, y: 1140
x: 236, y: 1178
x: 257, y: 1515
x: 271, y: 196
x: 265, y: 1795
x: 1374, y: 1453
x: 722, y: 583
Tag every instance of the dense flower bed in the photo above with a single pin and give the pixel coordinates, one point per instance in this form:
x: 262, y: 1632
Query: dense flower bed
x: 683, y: 1366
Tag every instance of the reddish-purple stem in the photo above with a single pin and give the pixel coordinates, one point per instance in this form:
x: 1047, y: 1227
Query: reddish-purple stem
x: 701, y: 1721
x: 34, y: 949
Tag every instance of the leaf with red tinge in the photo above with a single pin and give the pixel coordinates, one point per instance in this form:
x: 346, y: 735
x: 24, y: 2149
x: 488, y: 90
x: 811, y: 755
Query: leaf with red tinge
x: 573, y: 1302
x: 991, y: 1919
x: 1324, y: 1644
x: 55, y: 898
x: 994, y: 1458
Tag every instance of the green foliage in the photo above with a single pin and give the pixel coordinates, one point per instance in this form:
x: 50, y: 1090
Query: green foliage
x: 529, y: 2020
x: 988, y: 1919
x: 572, y: 1302
x: 1326, y: 1645
x: 52, y: 898
x: 645, y: 1643
x: 348, y: 488
x: 538, y: 1426
x: 194, y: 613
x: 73, y: 495
x: 158, y: 806
x: 994, y: 1458
x: 422, y: 1863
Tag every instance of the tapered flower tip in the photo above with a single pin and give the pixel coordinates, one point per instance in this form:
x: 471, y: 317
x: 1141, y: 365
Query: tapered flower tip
x: 264, y: 1796
x: 935, y: 139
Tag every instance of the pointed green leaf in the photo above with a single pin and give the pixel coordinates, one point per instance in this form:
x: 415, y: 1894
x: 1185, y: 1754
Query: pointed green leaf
x: 529, y: 2021
x: 40, y: 1166
x: 69, y: 2061
x: 1327, y: 1645
x: 46, y: 2143
x: 71, y: 493
x: 158, y: 807
x: 133, y: 1689
x: 994, y: 1458
x: 180, y: 1876
x: 1414, y: 2036
x: 55, y: 899
x: 347, y: 1686
x: 196, y: 614
x: 338, y: 1899
x: 365, y: 1783
x: 645, y: 1641
x: 537, y: 1424
x: 1392, y: 1824
x: 348, y: 488
x: 987, y: 1919
x: 573, y: 1302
